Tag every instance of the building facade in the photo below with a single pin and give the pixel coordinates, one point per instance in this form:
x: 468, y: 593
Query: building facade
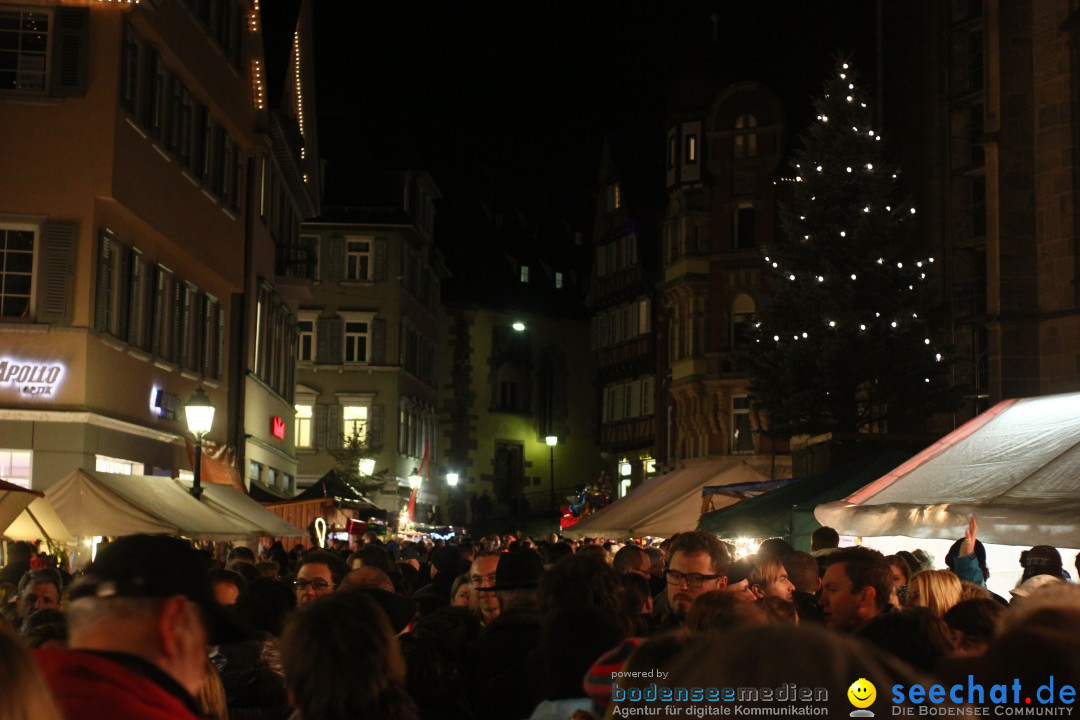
x: 723, y: 180
x: 368, y: 349
x: 130, y: 133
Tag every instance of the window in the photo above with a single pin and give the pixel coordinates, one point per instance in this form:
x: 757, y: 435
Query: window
x: 644, y: 316
x: 306, y: 326
x: 742, y: 435
x: 617, y: 196
x: 15, y: 466
x: 691, y: 148
x: 524, y: 273
x: 24, y: 50
x: 745, y: 136
x: 118, y: 466
x: 356, y: 340
x: 672, y: 155
x: 558, y: 280
x: 254, y: 472
x: 358, y: 260
x: 354, y: 419
x: 742, y: 321
x: 164, y: 301
x: 304, y: 416
x: 745, y: 226
x: 272, y: 477
x: 16, y: 271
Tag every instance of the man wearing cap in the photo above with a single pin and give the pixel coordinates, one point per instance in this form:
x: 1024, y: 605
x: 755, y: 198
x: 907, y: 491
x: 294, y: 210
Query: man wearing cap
x: 137, y: 627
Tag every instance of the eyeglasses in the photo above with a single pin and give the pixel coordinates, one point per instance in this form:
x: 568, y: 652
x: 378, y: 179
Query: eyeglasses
x: 482, y: 580
x: 316, y: 585
x: 694, y: 580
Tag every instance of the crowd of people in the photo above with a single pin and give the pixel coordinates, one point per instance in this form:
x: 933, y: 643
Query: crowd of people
x: 507, y: 627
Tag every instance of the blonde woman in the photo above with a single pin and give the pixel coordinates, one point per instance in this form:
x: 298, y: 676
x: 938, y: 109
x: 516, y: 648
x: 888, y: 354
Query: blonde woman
x: 23, y: 692
x: 936, y: 590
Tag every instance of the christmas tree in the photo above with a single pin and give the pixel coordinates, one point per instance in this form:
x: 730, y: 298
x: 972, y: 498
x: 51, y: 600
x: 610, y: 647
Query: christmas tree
x: 843, y: 342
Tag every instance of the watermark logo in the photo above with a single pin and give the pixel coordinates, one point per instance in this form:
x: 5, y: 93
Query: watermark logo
x: 862, y: 695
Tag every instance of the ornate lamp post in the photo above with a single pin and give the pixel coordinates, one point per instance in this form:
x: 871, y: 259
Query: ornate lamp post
x: 199, y: 412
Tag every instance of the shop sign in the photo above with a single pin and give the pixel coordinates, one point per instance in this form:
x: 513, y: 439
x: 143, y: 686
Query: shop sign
x: 30, y: 378
x: 277, y: 427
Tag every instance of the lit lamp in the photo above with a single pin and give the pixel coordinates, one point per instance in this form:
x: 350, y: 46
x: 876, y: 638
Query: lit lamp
x: 552, y: 441
x: 415, y: 479
x: 367, y: 466
x: 199, y: 412
x: 451, y: 479
x: 519, y: 326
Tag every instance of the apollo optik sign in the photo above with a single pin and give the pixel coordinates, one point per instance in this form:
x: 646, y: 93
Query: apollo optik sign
x: 29, y: 378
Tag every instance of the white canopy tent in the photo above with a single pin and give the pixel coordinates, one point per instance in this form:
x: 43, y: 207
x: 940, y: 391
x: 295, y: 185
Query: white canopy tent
x: 1015, y: 467
x: 109, y: 504
x: 665, y: 505
x: 239, y: 506
x: 27, y: 515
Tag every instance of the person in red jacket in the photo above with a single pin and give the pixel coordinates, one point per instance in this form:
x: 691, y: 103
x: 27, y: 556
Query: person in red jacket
x: 137, y: 634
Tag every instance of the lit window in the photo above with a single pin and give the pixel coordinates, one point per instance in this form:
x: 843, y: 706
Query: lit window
x: 358, y: 262
x: 117, y: 466
x: 254, y: 472
x: 691, y: 148
x: 354, y: 418
x: 304, y: 416
x: 558, y: 280
x: 742, y: 435
x: 524, y: 273
x: 15, y: 466
x: 618, y: 196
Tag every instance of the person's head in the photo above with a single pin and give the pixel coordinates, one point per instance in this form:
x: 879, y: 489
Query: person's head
x: 342, y: 660
x: 769, y: 578
x: 44, y: 628
x: 20, y: 551
x: 38, y: 590
x: 914, y: 634
x: 724, y: 610
x: 517, y: 579
x: 459, y: 591
x: 656, y: 560
x: 901, y: 571
x: 376, y: 555
x: 268, y: 569
x: 445, y: 560
x: 980, y: 555
x: 240, y: 554
x: 1041, y: 560
x: 824, y: 538
x: 802, y: 570
x: 581, y: 580
x: 778, y: 548
x: 632, y: 559
x: 557, y: 551
x: 368, y: 577
x: 227, y: 585
x: 265, y: 604
x: 698, y: 563
x: 973, y: 624
x: 855, y: 588
x: 319, y: 573
x: 150, y: 596
x: 936, y: 590
x: 24, y: 694
x: 481, y: 579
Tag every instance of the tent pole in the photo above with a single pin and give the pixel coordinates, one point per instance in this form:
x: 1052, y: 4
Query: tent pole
x: 44, y: 534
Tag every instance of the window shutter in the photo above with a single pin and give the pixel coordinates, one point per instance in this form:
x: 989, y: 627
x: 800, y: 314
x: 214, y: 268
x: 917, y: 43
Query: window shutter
x: 319, y: 423
x: 336, y: 340
x: 375, y: 429
x: 69, y: 51
x: 322, y: 340
x: 378, y: 341
x: 56, y: 273
x: 104, y: 289
x: 333, y: 259
x: 380, y: 259
x: 219, y: 369
x: 335, y: 427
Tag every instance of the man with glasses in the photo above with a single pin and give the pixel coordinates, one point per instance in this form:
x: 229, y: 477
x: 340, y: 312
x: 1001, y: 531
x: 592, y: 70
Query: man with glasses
x: 319, y: 573
x: 481, y: 577
x: 698, y: 564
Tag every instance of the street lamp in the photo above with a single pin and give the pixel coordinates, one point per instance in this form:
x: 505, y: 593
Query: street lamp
x: 199, y: 412
x: 519, y: 326
x: 451, y: 479
x: 552, y: 441
x: 366, y: 466
x: 415, y: 479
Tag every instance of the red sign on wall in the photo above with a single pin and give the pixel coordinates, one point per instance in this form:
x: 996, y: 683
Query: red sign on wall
x: 277, y: 427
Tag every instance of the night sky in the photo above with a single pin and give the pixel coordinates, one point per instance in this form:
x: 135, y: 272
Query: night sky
x: 524, y: 92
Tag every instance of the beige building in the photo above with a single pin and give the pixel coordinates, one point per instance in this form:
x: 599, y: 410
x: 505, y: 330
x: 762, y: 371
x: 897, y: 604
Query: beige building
x: 368, y: 337
x: 136, y: 155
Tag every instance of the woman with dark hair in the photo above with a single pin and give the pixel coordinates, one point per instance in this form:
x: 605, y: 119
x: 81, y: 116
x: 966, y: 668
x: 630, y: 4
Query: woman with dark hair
x: 342, y: 661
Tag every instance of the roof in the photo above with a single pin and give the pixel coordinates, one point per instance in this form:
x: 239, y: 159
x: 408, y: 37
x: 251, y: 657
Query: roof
x: 1016, y: 467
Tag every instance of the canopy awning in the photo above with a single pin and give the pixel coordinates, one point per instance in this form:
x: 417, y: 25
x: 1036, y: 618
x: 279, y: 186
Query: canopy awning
x: 788, y: 511
x: 665, y: 505
x: 238, y: 506
x: 107, y: 504
x: 27, y: 515
x: 1016, y: 467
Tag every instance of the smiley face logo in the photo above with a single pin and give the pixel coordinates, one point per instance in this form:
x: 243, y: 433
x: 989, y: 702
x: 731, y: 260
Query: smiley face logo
x: 862, y: 693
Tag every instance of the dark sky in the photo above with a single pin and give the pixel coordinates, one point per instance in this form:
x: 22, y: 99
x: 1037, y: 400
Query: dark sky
x: 527, y: 90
